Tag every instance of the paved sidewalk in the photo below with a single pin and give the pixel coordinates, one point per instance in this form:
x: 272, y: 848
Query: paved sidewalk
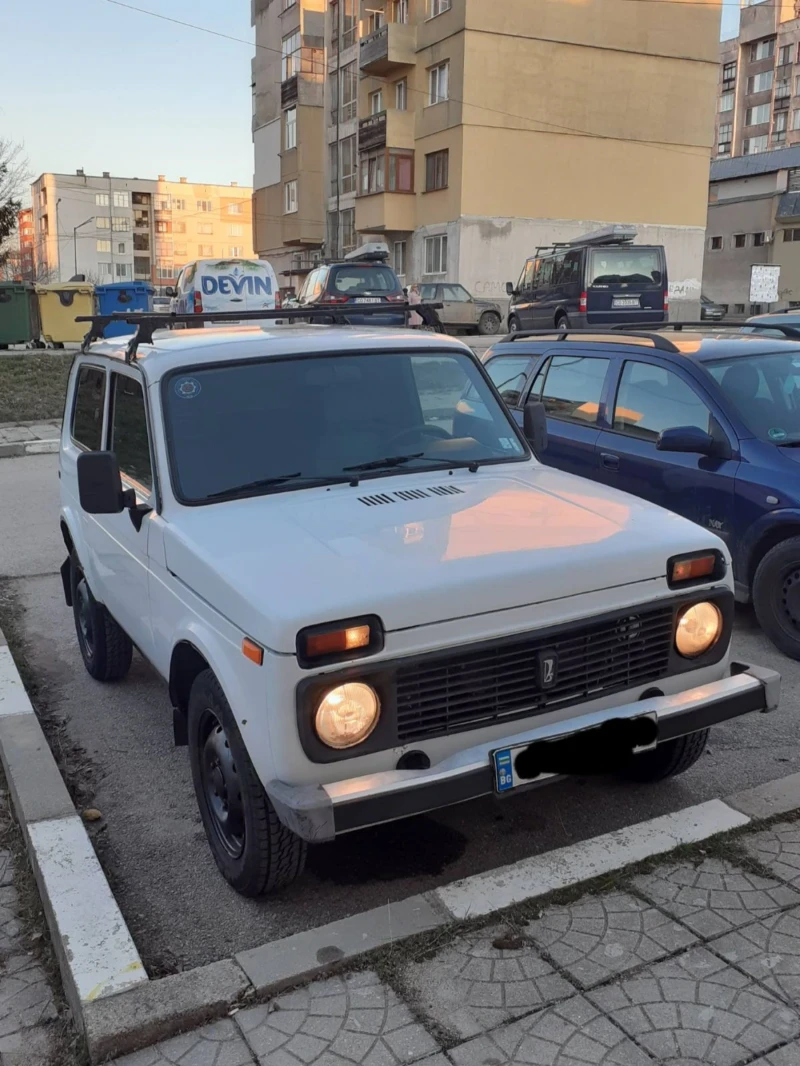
x: 690, y: 962
x: 29, y: 438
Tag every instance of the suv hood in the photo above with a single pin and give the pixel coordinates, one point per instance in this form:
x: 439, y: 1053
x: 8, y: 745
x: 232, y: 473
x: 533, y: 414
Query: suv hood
x: 419, y: 548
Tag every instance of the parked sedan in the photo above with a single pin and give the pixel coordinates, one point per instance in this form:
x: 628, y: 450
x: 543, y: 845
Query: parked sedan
x: 710, y: 310
x: 462, y: 311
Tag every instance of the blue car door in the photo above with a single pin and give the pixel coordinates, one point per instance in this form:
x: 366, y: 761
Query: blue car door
x: 650, y: 397
x: 573, y: 389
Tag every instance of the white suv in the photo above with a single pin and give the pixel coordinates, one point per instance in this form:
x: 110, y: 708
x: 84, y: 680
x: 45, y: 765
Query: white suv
x: 368, y: 597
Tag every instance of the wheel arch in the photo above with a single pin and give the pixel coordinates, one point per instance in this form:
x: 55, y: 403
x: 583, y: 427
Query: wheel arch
x: 768, y: 539
x: 186, y: 663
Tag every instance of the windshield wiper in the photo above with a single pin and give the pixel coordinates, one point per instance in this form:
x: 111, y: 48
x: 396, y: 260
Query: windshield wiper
x: 280, y: 479
x: 398, y: 460
x: 789, y: 444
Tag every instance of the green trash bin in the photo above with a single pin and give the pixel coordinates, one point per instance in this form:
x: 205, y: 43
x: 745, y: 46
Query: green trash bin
x: 19, y: 314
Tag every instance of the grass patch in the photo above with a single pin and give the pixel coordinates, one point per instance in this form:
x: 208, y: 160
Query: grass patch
x: 33, y: 386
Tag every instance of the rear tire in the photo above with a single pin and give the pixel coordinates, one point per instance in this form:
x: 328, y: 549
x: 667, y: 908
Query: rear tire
x: 253, y: 850
x: 669, y: 759
x: 106, y: 648
x: 513, y: 324
x: 488, y: 323
x: 776, y: 596
x: 562, y: 322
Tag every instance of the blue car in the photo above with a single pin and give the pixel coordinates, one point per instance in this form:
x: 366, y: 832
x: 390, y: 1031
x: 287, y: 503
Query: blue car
x: 706, y: 425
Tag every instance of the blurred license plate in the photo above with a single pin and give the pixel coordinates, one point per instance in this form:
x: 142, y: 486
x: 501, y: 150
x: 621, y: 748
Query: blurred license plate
x: 625, y: 301
x: 505, y: 776
x: 368, y: 300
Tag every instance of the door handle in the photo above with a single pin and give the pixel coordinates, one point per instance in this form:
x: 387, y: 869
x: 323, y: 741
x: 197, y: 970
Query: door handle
x: 609, y: 461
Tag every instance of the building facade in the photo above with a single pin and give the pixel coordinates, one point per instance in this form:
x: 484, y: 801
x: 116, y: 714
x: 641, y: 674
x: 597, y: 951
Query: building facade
x: 753, y: 218
x: 131, y: 229
x: 483, y: 130
x: 18, y: 263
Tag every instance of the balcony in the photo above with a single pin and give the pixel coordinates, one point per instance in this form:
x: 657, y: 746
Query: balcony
x: 390, y: 47
x: 393, y: 128
x: 386, y: 212
x: 289, y: 91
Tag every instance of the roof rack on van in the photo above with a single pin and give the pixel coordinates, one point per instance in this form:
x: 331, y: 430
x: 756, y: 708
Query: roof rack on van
x: 709, y: 326
x: 562, y: 335
x: 620, y: 234
x: 147, y: 322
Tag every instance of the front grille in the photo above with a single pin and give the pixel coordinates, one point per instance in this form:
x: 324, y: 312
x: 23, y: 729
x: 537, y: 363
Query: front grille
x: 442, y: 694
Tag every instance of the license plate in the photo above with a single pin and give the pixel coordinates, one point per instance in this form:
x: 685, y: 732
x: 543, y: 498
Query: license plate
x: 625, y: 301
x: 505, y: 776
x: 368, y: 300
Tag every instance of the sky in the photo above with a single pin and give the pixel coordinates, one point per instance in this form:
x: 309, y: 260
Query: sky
x: 89, y: 84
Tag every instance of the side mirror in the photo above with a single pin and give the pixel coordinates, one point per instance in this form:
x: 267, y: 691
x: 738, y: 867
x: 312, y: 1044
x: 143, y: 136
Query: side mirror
x: 534, y: 426
x: 99, y: 484
x: 510, y: 288
x: 405, y: 290
x: 170, y: 291
x: 686, y: 439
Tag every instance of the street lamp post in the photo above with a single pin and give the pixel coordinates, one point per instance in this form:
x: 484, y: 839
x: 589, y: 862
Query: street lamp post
x: 75, y: 239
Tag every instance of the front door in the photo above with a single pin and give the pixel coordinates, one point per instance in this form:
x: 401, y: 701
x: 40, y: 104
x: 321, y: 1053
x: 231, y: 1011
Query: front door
x: 458, y: 310
x: 649, y: 399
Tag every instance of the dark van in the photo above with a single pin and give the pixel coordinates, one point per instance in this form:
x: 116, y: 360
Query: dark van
x: 597, y: 280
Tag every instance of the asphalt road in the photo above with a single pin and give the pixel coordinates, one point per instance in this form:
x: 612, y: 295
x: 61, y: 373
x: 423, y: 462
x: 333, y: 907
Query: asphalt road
x: 151, y: 842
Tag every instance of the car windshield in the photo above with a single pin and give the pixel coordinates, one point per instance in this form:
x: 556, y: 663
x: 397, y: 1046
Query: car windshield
x: 765, y: 390
x: 360, y: 280
x: 310, y: 420
x: 624, y: 266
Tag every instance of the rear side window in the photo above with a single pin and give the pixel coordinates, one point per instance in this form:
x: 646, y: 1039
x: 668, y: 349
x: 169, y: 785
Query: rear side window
x: 573, y: 387
x: 87, y: 415
x: 509, y: 373
x: 352, y: 281
x: 129, y: 440
x: 651, y: 399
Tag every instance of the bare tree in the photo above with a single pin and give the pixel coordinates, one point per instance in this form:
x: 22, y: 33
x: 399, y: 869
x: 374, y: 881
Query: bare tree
x: 14, y: 177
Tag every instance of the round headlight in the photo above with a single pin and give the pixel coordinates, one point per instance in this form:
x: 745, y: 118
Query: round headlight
x: 699, y: 628
x: 347, y: 715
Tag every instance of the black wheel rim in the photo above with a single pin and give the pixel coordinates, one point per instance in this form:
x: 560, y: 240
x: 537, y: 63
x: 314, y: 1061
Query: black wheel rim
x: 222, y: 789
x: 84, y: 616
x: 790, y: 597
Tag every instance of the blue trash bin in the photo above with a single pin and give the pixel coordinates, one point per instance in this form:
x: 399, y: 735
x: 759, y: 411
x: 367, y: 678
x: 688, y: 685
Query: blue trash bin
x: 123, y: 296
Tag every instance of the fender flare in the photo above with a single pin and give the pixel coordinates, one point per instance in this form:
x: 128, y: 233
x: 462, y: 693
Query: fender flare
x: 765, y: 533
x: 72, y: 535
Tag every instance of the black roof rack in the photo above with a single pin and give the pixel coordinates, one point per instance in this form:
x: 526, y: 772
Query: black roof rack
x: 147, y: 322
x: 562, y: 334
x: 789, y: 332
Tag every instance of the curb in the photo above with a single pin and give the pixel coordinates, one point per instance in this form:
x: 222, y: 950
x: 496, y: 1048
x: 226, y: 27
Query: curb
x: 28, y: 447
x: 120, y: 1010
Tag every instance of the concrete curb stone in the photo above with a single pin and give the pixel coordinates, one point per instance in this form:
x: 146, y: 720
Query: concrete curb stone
x: 31, y: 447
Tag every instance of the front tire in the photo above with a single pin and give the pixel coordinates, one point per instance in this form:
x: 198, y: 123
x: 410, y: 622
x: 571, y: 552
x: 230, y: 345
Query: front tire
x: 513, y: 324
x: 105, y: 647
x: 253, y: 850
x: 776, y: 596
x: 488, y: 324
x: 669, y: 759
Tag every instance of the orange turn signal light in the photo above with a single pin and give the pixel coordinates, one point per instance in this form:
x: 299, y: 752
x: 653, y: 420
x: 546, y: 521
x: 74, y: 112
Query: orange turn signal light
x: 252, y: 651
x: 692, y: 569
x: 337, y: 641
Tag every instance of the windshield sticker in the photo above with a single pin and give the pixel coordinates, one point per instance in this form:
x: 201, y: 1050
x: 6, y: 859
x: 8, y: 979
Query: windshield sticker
x: 778, y: 434
x: 506, y: 443
x: 188, y: 388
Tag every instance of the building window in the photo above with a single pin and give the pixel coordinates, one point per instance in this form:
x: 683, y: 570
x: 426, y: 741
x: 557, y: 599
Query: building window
x: 104, y: 269
x: 400, y: 11
x: 290, y: 56
x: 102, y: 222
x: 286, y: 4
x: 376, y: 102
x: 121, y: 224
x: 739, y: 240
x: 333, y: 162
x: 204, y: 206
x: 729, y: 75
x: 756, y: 309
x: 436, y: 254
x: 101, y: 199
x: 373, y: 172
x: 104, y: 246
x: 236, y: 251
x: 205, y: 227
x: 738, y: 309
x: 164, y: 203
x: 779, y: 127
x: 349, y: 169
x: 122, y: 270
x: 784, y: 55
x: 760, y: 83
x: 401, y: 95
x: 235, y: 209
x: 437, y: 165
x: 163, y: 272
x: 349, y: 93
x: 205, y: 251
x: 726, y: 102
x: 164, y: 249
x: 724, y: 138
x: 290, y: 128
x: 178, y: 227
x: 290, y: 197
x: 376, y: 21
x: 347, y: 223
x: 783, y: 90
x: 438, y: 7
x: 349, y: 23
x: 762, y: 49
x: 790, y: 235
x: 438, y: 83
x: 755, y: 116
x: 400, y: 258
x: 121, y: 248
x: 180, y: 250
x: 753, y: 145
x: 122, y: 199
x: 715, y: 244
x: 234, y: 231
x: 796, y: 119
x: 759, y: 240
x: 401, y: 170
x: 179, y: 205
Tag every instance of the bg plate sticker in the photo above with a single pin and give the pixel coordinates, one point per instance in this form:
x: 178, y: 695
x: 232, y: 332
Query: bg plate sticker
x: 187, y: 388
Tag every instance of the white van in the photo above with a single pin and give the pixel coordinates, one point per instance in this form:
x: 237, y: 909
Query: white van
x: 225, y: 285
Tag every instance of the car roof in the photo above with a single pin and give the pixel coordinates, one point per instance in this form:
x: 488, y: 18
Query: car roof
x: 701, y: 347
x: 781, y: 318
x: 178, y: 349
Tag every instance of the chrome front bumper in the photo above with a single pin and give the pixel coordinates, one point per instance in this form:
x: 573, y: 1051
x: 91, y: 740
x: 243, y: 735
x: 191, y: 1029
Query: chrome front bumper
x: 321, y: 812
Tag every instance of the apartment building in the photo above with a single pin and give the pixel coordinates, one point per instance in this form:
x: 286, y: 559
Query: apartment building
x: 758, y: 92
x: 18, y: 260
x: 483, y: 130
x: 132, y: 229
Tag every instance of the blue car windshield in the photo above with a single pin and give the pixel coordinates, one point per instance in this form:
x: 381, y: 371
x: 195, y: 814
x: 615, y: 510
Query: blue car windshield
x: 765, y: 390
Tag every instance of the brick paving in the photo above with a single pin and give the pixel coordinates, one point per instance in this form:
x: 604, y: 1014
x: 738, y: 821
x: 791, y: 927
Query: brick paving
x: 689, y: 964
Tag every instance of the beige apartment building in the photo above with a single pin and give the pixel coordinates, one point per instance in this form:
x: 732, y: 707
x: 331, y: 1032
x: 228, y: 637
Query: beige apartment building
x: 135, y: 229
x: 481, y: 130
